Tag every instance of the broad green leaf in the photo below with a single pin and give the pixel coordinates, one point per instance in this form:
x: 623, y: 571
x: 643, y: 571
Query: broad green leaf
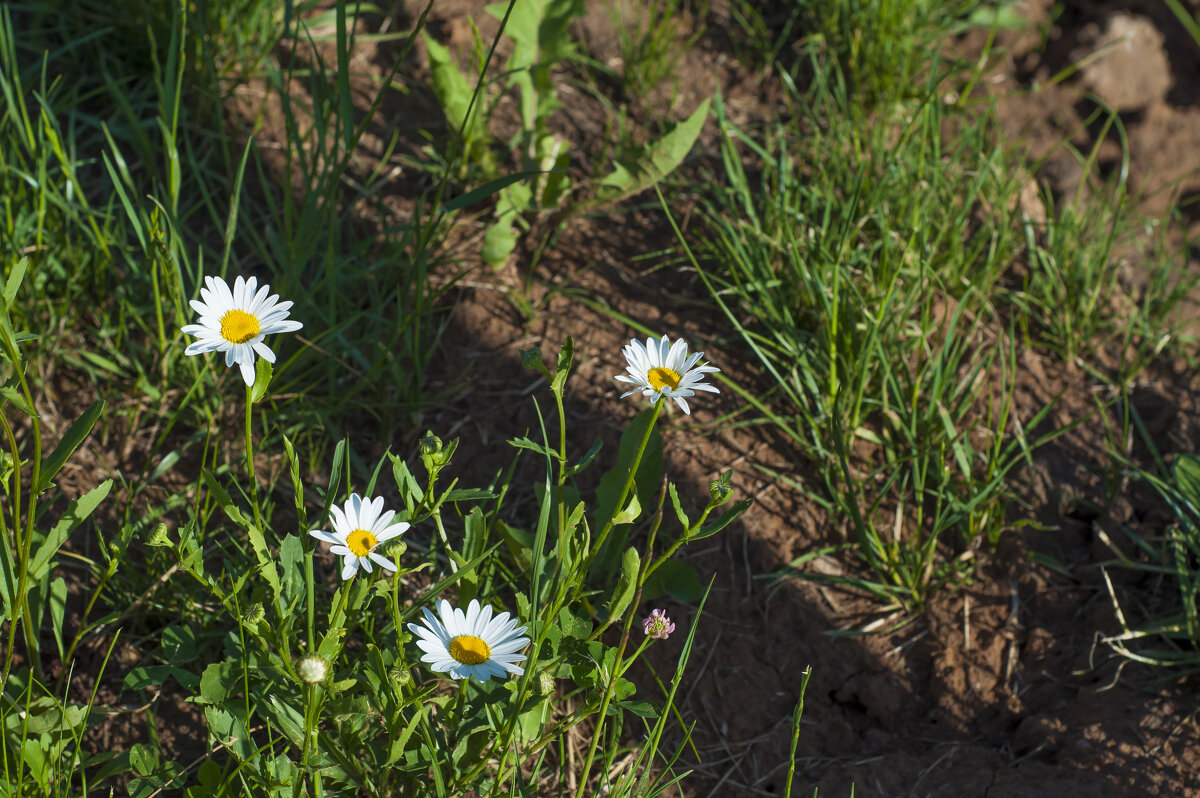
x: 263, y: 371
x: 631, y: 562
x: 654, y: 161
x: 631, y: 513
x: 640, y: 708
x: 76, y: 513
x: 14, y: 281
x: 71, y: 439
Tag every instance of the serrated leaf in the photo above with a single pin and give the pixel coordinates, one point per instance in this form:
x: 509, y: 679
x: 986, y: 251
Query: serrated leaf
x: 654, y: 162
x: 223, y: 501
x: 679, y: 513
x: 526, y: 443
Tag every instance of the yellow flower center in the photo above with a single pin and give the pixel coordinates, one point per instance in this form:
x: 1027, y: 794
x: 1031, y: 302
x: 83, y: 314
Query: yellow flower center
x: 662, y: 377
x: 469, y: 650
x: 360, y: 542
x: 238, y: 326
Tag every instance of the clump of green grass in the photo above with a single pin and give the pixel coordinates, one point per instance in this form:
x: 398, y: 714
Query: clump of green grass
x: 857, y: 258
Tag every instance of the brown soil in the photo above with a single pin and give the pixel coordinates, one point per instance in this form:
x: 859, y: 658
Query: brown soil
x: 998, y: 690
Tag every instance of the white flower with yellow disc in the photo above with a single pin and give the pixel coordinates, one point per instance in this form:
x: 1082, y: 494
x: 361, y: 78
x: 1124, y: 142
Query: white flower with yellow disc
x: 471, y: 644
x: 236, y: 322
x: 358, y: 528
x: 661, y: 368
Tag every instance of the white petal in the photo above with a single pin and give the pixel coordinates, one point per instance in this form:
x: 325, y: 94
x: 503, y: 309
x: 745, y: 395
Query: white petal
x: 384, y: 562
x: 247, y: 366
x: 321, y: 534
x: 350, y: 568
x: 264, y: 351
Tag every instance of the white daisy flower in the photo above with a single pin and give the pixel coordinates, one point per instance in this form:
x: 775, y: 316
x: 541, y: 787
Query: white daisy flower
x: 660, y: 368
x: 235, y: 322
x: 357, y: 530
x: 473, y: 644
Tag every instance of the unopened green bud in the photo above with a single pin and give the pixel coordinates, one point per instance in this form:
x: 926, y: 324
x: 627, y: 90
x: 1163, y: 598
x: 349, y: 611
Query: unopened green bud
x: 546, y: 684
x: 114, y: 548
x: 396, y: 550
x: 532, y: 360
x: 720, y: 489
x: 160, y: 536
x: 401, y: 676
x: 253, y: 615
x: 430, y: 445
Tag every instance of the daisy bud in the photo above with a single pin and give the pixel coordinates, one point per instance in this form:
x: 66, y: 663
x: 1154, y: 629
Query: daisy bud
x: 720, y: 489
x: 397, y: 549
x: 253, y: 615
x: 430, y: 445
x: 160, y: 537
x: 312, y: 669
x: 532, y: 360
x: 401, y: 676
x: 658, y: 625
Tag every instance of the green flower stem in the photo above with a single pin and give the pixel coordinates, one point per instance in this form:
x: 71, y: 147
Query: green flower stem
x: 250, y: 461
x: 625, y: 491
x: 608, y: 693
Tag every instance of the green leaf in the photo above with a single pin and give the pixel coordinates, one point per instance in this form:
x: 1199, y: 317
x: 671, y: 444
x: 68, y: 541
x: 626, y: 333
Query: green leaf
x: 725, y: 519
x: 10, y: 394
x: 76, y: 513
x: 642, y: 709
x: 631, y: 513
x: 469, y: 494
x: 58, y: 609
x: 286, y: 718
x: 566, y: 357
x: 143, y: 758
x: 266, y: 564
x: 263, y: 371
x: 489, y: 188
x: 587, y: 459
x: 223, y: 500
x: 69, y: 443
x: 526, y: 443
x: 654, y: 162
x: 14, y: 281
x: 679, y: 513
x: 631, y: 562
x: 219, y: 681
